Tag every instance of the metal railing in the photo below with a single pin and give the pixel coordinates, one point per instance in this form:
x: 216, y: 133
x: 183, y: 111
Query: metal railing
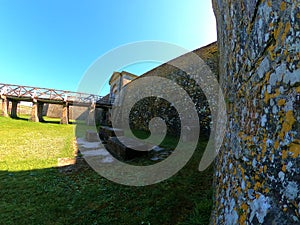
x: 23, y: 92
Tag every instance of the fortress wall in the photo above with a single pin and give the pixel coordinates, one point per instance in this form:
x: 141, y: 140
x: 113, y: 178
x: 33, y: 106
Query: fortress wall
x: 257, y: 178
x: 149, y: 108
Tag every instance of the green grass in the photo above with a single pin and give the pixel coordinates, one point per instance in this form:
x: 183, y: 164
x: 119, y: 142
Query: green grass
x: 26, y: 145
x: 34, y: 191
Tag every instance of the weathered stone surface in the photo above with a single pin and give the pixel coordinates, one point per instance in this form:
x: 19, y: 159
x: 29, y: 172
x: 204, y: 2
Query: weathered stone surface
x: 91, y: 136
x: 90, y: 119
x: 34, y: 112
x: 124, y: 147
x: 5, y: 104
x: 75, y: 112
x: 257, y: 178
x: 151, y: 107
x: 65, y: 117
x: 106, y: 132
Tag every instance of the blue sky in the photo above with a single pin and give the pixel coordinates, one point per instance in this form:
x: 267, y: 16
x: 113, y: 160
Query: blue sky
x: 52, y: 43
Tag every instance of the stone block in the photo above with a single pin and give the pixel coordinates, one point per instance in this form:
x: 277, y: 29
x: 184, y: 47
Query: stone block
x: 124, y: 147
x: 106, y: 132
x: 91, y: 136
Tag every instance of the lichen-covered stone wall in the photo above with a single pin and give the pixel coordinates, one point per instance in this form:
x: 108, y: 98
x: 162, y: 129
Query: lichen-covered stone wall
x: 257, y: 177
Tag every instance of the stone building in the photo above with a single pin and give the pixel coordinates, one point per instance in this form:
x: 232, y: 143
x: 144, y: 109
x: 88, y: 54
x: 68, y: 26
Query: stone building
x: 117, y: 81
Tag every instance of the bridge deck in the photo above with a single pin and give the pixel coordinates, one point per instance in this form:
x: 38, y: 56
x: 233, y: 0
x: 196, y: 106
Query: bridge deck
x: 46, y: 95
x: 39, y: 96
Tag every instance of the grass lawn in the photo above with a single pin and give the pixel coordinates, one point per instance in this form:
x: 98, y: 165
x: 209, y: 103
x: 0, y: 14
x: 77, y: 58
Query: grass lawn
x: 34, y: 191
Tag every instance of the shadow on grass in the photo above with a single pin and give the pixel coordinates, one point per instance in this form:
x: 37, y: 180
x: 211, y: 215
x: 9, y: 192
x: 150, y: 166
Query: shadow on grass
x: 76, y: 194
x: 20, y: 118
x: 45, y: 120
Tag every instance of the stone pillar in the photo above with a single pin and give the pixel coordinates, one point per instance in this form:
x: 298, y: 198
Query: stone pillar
x: 5, y: 104
x: 40, y: 106
x: 257, y: 175
x: 90, y: 120
x: 14, y: 108
x: 65, y: 114
x: 34, y: 112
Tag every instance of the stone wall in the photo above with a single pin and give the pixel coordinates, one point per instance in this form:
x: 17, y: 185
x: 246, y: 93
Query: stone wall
x: 257, y: 177
x: 54, y: 111
x: 148, y: 108
x: 76, y: 112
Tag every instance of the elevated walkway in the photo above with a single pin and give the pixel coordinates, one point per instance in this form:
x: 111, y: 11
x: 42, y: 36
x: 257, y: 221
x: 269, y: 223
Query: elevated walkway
x: 14, y: 94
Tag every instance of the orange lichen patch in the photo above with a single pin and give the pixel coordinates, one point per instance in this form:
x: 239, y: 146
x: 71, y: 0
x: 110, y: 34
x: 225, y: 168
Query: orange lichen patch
x: 287, y: 124
x: 297, y: 141
x: 248, y: 184
x: 242, y: 170
x: 244, y: 136
x: 244, y: 207
x: 239, y: 190
x: 298, y: 88
x: 267, y: 190
x: 286, y: 31
x: 267, y: 76
x: 284, y: 154
x: 265, y: 168
x: 281, y: 102
x: 295, y: 149
x: 257, y: 186
x: 243, y: 218
x: 269, y: 96
x: 283, y: 168
x: 282, y: 6
x: 258, y: 158
x: 269, y: 3
x: 277, y: 31
x: 264, y: 147
x: 276, y: 144
x: 272, y: 52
